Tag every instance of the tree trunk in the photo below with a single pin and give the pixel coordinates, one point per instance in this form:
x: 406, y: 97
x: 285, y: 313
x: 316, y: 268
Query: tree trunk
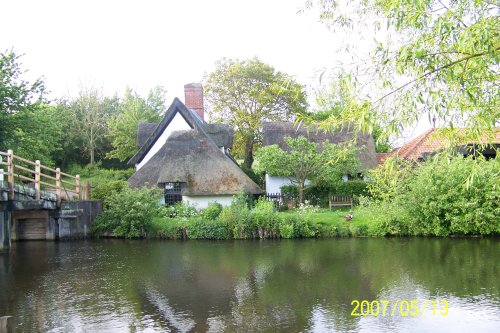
x: 301, y: 193
x: 248, y: 161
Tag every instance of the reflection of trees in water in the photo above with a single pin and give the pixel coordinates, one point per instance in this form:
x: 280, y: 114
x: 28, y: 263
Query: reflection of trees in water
x: 233, y: 286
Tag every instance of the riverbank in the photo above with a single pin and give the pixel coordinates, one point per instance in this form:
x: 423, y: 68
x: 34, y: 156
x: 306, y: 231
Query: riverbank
x: 290, y: 224
x: 136, y: 214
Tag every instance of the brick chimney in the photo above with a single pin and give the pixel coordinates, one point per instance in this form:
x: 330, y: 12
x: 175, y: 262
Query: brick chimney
x: 193, y: 94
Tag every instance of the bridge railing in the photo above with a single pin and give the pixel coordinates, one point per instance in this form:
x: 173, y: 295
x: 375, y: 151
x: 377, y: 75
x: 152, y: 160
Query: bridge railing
x: 21, y: 171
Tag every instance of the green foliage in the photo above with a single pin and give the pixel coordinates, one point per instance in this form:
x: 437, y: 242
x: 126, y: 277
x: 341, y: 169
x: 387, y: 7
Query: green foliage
x: 96, y: 174
x: 132, y: 110
x: 129, y: 213
x: 104, y: 191
x: 88, y: 116
x: 27, y: 126
x: 246, y: 93
x: 442, y: 203
x: 306, y: 160
x: 296, y: 226
x: 352, y: 187
x: 39, y: 134
x: 438, y: 198
x: 291, y: 190
x: 179, y: 209
x: 445, y: 61
x: 208, y: 229
x: 212, y: 212
x: 16, y: 94
x: 256, y: 177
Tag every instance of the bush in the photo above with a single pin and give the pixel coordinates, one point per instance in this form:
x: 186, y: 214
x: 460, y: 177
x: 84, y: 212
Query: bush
x: 442, y: 196
x: 168, y: 228
x: 457, y: 195
x: 104, y: 191
x: 207, y: 229
x: 355, y: 188
x: 179, y: 209
x: 212, y: 211
x: 129, y: 213
x: 265, y: 218
x: 257, y: 178
x: 295, y: 226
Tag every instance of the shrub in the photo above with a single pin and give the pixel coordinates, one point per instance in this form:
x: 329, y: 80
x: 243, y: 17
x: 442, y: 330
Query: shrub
x: 179, y: 209
x: 207, y: 229
x: 356, y: 188
x: 456, y: 195
x: 212, y: 211
x: 237, y: 217
x: 265, y: 218
x: 104, y: 191
x: 168, y: 228
x: 295, y: 226
x: 442, y: 196
x: 129, y: 213
x: 257, y: 178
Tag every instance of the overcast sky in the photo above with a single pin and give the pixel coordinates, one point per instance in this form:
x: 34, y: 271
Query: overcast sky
x: 112, y: 44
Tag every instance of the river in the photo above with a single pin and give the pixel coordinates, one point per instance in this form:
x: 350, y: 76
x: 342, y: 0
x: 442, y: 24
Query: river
x: 400, y: 285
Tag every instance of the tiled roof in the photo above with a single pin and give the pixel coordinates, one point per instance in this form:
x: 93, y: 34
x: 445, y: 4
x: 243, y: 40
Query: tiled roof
x: 431, y: 141
x: 381, y: 157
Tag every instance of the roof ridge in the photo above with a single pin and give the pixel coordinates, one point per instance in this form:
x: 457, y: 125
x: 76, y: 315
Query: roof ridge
x: 176, y: 106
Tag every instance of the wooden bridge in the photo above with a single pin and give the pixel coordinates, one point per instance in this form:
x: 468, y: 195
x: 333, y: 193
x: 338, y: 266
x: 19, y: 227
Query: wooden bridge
x: 40, y: 202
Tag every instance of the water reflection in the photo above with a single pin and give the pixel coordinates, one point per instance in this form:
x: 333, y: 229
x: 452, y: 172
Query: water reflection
x: 269, y: 286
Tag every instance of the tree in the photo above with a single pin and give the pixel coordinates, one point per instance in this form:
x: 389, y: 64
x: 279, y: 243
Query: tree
x: 133, y: 110
x: 306, y: 160
x: 17, y: 98
x: 246, y: 93
x: 334, y: 104
x: 445, y: 62
x: 89, y: 119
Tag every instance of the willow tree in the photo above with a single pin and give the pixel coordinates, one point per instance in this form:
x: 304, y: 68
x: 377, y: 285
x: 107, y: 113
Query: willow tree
x: 443, y: 61
x: 246, y: 93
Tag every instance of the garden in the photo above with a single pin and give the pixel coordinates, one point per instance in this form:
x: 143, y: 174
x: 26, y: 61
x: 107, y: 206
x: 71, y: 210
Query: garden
x: 444, y: 196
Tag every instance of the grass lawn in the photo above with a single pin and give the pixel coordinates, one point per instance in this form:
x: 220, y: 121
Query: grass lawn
x: 333, y: 223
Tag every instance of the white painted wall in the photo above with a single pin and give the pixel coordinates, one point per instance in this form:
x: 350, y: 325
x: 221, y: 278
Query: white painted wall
x: 273, y: 183
x: 201, y: 202
x: 177, y: 124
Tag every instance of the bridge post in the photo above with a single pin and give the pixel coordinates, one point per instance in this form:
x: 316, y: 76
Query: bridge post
x: 10, y: 173
x: 87, y: 191
x: 78, y: 187
x: 58, y: 186
x: 37, y: 180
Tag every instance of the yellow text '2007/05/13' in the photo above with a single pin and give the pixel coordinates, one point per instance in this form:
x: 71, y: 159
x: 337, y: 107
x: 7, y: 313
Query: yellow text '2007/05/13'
x: 403, y: 308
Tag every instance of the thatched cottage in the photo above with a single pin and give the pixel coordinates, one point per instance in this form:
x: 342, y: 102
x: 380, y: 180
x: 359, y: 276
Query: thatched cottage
x: 188, y: 158
x: 275, y: 133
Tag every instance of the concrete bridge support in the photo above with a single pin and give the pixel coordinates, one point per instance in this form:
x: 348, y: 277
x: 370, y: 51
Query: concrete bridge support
x: 5, y: 218
x: 36, y: 221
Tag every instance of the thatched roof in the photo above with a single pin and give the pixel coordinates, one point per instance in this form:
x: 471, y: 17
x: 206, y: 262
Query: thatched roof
x: 221, y: 134
x: 144, y: 132
x: 275, y: 133
x: 191, y: 157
